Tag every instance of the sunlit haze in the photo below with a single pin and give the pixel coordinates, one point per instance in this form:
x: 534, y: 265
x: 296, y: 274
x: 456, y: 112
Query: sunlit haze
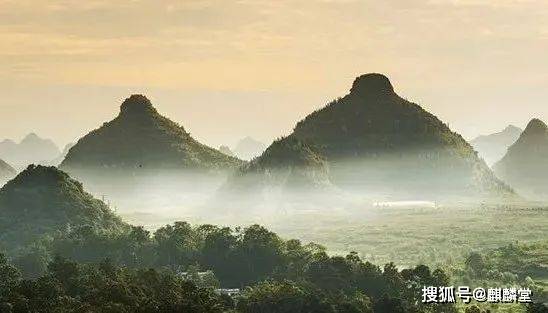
x: 230, y: 69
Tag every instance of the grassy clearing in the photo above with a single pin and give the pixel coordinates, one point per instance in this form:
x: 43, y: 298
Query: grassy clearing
x: 433, y: 236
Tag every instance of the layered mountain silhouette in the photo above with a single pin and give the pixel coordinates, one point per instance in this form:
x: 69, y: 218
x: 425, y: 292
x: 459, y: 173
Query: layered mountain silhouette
x: 42, y: 200
x: 6, y: 172
x: 32, y: 149
x: 140, y: 138
x: 525, y: 165
x: 248, y: 148
x: 63, y: 154
x: 374, y: 142
x: 494, y: 146
x: 289, y: 164
x: 226, y: 150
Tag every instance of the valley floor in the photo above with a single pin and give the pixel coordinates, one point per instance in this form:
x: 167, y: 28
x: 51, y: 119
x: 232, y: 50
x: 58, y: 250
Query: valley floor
x: 406, y: 236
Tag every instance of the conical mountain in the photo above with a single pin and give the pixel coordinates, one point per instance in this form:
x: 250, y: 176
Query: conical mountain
x: 375, y: 142
x: 139, y: 137
x: 6, y: 172
x: 249, y: 148
x: 494, y: 146
x: 525, y: 165
x: 42, y: 200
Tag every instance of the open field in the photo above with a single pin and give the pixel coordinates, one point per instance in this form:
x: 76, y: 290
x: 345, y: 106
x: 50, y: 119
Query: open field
x: 409, y: 236
x: 404, y: 235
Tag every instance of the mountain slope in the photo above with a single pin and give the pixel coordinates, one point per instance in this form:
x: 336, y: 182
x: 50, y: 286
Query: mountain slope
x: 6, y: 172
x: 142, y: 138
x: 525, y: 165
x: 32, y: 149
x: 493, y: 147
x: 375, y: 142
x: 288, y: 163
x: 42, y: 200
x: 61, y: 156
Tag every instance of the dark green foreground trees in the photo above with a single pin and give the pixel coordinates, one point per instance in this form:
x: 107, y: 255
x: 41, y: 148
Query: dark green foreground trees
x: 70, y: 287
x: 325, y: 284
x: 90, y: 271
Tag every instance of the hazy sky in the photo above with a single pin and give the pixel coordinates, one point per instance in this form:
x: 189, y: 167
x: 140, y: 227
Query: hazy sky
x: 227, y: 69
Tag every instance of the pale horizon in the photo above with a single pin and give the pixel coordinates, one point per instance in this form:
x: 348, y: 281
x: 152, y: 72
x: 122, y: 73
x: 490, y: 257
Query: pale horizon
x: 230, y: 69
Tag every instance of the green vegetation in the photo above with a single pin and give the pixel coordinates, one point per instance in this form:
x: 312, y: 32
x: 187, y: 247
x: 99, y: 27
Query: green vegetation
x: 142, y: 138
x: 289, y: 163
x: 42, y: 201
x: 525, y: 164
x: 409, y: 236
x: 282, y: 276
x: 70, y: 287
x: 517, y: 265
x: 372, y: 118
x: 68, y: 247
x: 159, y: 273
x: 374, y: 140
x: 67, y: 252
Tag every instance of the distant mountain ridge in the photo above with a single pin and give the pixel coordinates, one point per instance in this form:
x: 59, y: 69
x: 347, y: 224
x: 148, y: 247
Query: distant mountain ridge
x: 61, y: 157
x: 372, y: 140
x: 226, y: 150
x: 525, y: 165
x: 139, y: 137
x: 31, y: 150
x: 494, y: 146
x: 248, y: 148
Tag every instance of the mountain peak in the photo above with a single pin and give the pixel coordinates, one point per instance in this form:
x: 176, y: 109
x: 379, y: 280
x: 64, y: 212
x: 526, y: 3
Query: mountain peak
x: 32, y: 137
x: 372, y: 83
x: 524, y: 165
x: 536, y: 126
x: 512, y: 129
x: 367, y: 141
x: 136, y: 104
x: 42, y: 175
x: 43, y: 200
x: 140, y: 137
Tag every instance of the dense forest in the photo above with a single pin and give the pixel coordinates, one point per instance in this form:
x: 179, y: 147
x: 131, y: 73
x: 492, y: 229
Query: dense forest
x: 180, y: 268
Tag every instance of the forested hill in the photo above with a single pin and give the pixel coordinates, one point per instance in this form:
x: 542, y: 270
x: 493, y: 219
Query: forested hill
x: 44, y: 200
x: 373, y: 119
x: 289, y: 164
x: 526, y: 163
x: 6, y: 172
x: 139, y: 137
x: 374, y: 140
